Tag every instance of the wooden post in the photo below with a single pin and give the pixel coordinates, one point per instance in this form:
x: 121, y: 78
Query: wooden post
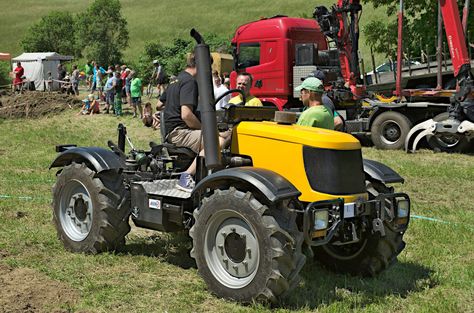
x: 373, y: 65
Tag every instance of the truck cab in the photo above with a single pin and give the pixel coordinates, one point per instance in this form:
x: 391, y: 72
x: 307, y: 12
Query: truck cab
x: 278, y: 52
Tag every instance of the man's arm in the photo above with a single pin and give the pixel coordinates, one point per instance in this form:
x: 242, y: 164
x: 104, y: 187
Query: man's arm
x: 189, y: 118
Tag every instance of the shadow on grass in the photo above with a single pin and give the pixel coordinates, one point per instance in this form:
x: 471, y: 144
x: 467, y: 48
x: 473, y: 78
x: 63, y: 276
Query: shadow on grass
x: 173, y: 248
x: 320, y: 287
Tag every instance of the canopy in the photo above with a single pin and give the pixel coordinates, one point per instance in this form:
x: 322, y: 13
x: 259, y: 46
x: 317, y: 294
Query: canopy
x: 35, y: 56
x: 41, y: 67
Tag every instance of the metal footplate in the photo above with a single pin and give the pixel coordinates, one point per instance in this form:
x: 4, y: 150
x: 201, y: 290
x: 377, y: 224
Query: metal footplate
x: 164, y: 188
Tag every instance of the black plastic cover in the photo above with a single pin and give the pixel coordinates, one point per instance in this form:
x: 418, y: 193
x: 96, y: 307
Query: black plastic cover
x: 271, y: 185
x: 337, y: 172
x: 99, y: 158
x: 381, y: 172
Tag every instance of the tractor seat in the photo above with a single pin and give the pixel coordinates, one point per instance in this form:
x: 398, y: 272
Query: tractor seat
x: 172, y: 148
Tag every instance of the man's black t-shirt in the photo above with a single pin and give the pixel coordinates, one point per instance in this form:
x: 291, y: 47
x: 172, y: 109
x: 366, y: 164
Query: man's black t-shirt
x: 183, y: 91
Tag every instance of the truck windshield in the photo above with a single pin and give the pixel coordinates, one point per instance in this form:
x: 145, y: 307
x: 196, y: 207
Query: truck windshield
x: 249, y: 55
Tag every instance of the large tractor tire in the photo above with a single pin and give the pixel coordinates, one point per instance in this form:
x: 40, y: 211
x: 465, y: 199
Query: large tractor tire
x: 244, y: 250
x: 90, y: 210
x: 448, y: 143
x: 389, y: 130
x: 368, y: 257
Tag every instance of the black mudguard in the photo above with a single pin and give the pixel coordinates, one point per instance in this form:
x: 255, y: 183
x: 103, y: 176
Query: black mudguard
x: 99, y: 158
x: 381, y: 172
x: 271, y: 185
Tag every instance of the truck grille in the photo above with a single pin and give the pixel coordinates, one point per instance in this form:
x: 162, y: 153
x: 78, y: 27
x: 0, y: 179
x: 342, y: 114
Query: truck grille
x: 337, y: 172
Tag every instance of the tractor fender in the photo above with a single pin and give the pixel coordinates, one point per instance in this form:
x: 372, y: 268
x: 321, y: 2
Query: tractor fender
x: 381, y: 172
x: 269, y: 184
x: 97, y: 158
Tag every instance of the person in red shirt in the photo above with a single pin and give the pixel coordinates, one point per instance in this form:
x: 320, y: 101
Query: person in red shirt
x: 18, y: 72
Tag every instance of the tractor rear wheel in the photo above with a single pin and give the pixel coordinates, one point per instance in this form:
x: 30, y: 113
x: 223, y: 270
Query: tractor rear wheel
x: 89, y: 209
x: 244, y: 250
x: 368, y: 257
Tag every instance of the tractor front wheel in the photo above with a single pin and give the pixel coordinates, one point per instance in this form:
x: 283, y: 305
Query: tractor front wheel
x: 368, y: 257
x: 89, y: 209
x: 244, y: 250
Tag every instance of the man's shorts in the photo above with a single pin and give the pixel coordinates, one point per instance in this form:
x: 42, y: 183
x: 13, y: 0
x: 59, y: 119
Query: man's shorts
x: 185, y: 137
x: 136, y: 100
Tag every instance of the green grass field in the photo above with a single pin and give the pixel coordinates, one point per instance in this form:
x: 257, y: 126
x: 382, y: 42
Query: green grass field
x: 162, y: 21
x: 155, y: 273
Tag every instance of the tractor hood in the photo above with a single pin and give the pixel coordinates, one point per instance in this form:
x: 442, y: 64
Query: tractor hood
x: 303, y: 135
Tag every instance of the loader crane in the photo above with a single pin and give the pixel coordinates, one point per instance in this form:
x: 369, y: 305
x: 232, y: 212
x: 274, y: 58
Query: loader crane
x: 459, y: 123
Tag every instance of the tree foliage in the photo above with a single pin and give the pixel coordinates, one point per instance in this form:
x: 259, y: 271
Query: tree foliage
x: 420, y: 27
x: 5, y: 69
x: 173, y: 56
x: 102, y: 32
x: 51, y: 33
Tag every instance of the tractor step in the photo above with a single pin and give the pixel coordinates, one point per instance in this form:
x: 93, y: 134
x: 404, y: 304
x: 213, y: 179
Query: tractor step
x: 164, y: 188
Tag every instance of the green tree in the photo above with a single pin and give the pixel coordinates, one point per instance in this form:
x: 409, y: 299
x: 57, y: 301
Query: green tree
x: 420, y: 26
x: 102, y: 32
x: 52, y: 33
x: 173, y: 56
x: 5, y: 69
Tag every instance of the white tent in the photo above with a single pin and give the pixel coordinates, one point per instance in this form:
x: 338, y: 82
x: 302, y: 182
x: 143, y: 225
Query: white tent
x: 38, y: 64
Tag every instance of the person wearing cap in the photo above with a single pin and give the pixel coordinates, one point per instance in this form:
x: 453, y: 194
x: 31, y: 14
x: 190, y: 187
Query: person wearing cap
x: 316, y: 114
x: 244, y: 83
x: 327, y: 101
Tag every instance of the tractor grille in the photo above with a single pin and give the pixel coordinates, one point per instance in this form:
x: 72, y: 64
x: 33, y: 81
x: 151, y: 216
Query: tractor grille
x: 337, y: 172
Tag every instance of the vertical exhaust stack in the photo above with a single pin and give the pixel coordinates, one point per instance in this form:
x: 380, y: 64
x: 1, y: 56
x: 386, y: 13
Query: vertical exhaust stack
x: 206, y: 102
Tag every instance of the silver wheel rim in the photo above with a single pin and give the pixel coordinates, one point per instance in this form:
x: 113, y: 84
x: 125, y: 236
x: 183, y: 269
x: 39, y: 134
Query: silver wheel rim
x: 231, y: 249
x: 75, y: 212
x: 391, y: 132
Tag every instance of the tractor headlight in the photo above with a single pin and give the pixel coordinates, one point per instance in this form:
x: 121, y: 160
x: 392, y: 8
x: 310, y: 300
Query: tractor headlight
x: 320, y: 220
x: 403, y: 208
x: 320, y: 223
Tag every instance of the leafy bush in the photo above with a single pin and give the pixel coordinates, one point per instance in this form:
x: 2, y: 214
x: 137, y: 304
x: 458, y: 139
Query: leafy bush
x: 173, y: 56
x: 5, y: 69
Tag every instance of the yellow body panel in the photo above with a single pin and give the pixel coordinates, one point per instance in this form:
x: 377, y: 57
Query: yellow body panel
x: 280, y: 148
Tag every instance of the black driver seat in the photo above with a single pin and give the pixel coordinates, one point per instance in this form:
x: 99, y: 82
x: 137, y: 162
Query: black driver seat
x: 183, y: 156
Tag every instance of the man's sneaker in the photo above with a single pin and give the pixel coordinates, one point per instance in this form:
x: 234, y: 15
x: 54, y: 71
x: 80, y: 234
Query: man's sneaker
x: 186, y: 182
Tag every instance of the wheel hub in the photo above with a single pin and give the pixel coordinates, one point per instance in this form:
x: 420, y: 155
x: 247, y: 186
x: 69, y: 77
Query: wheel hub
x: 236, y: 248
x: 391, y: 132
x: 76, y: 211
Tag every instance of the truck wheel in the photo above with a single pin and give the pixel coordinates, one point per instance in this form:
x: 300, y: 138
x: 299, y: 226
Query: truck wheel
x: 89, y: 209
x: 371, y: 255
x: 389, y: 130
x: 244, y: 250
x: 447, y: 143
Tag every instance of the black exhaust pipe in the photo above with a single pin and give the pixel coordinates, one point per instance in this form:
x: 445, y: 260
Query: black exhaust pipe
x: 206, y: 102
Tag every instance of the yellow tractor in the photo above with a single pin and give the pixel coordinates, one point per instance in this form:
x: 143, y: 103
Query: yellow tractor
x: 277, y: 189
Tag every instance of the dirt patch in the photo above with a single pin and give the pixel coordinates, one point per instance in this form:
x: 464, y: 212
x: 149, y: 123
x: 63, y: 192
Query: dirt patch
x: 34, y: 104
x: 26, y: 290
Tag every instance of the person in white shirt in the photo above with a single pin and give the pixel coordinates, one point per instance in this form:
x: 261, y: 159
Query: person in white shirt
x: 219, y: 90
